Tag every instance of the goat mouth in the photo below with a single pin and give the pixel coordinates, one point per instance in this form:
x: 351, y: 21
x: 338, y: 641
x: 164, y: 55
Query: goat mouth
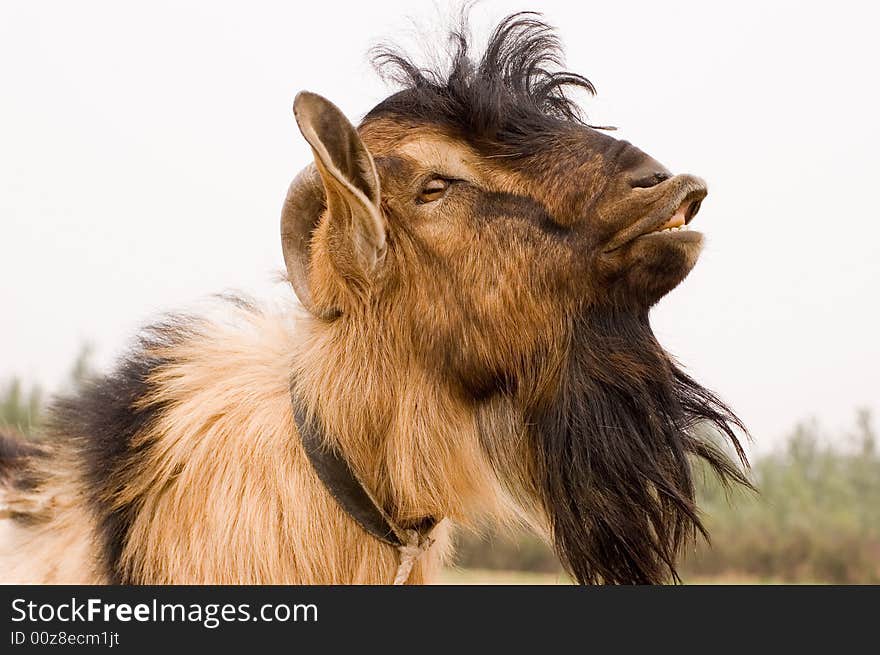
x: 680, y: 219
x: 670, y: 215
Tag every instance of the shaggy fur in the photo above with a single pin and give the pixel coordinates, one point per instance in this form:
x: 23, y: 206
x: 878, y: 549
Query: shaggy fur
x: 107, y: 421
x: 205, y: 480
x: 483, y: 353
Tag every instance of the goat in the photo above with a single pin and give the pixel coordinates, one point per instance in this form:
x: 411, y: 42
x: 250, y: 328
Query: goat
x: 475, y: 267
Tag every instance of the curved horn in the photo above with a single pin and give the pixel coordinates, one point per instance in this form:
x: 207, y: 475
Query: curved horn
x: 303, y: 207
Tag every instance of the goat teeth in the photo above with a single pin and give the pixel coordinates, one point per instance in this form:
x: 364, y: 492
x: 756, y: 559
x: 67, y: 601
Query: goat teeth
x: 672, y: 228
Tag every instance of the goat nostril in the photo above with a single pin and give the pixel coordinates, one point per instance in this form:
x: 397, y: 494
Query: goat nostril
x: 649, y: 181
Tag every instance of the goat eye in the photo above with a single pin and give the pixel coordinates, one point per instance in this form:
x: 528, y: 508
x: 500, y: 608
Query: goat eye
x: 434, y: 190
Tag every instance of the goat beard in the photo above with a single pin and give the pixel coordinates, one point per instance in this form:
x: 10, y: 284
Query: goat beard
x: 615, y: 448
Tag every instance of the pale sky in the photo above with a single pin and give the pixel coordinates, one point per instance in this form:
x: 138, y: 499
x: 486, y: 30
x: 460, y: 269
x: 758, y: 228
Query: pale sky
x: 145, y: 151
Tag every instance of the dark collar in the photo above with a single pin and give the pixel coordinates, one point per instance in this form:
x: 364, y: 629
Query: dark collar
x: 348, y: 491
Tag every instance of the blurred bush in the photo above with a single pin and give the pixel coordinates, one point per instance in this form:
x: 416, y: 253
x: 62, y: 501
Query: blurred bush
x: 22, y: 408
x: 816, y: 517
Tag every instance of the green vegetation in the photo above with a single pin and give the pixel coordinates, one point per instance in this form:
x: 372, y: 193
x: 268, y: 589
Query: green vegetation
x: 22, y: 408
x: 816, y: 517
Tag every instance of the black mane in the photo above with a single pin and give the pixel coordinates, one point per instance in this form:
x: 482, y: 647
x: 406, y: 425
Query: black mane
x: 512, y: 95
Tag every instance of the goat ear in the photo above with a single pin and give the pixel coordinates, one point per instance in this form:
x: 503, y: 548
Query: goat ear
x: 344, y: 181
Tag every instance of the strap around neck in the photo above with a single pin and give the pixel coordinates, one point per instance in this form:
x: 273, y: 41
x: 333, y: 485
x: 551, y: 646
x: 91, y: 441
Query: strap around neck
x: 345, y: 487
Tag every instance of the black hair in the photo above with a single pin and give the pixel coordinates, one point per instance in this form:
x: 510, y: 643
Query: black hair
x: 616, y: 448
x: 512, y: 96
x: 105, y: 421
